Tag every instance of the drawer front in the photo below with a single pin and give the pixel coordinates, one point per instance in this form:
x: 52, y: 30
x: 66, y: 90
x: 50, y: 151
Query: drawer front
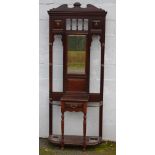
x: 57, y: 24
x: 73, y: 107
x: 96, y: 24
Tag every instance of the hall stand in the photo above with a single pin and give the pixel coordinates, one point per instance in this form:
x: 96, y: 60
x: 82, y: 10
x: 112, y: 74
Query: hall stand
x: 76, y: 42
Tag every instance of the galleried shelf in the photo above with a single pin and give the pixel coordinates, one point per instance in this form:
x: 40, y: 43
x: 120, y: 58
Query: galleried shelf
x: 76, y: 26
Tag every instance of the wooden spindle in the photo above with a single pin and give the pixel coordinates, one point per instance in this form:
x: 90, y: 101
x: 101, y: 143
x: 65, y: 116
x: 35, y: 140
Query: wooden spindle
x: 77, y: 24
x: 70, y: 24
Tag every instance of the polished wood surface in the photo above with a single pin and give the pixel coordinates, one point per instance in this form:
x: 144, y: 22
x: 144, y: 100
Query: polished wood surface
x: 75, y: 97
x: 93, y: 97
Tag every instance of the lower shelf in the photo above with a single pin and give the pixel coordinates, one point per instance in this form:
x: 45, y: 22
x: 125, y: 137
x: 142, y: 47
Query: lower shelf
x: 75, y: 140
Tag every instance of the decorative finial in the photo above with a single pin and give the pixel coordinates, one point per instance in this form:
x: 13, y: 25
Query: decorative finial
x: 77, y: 4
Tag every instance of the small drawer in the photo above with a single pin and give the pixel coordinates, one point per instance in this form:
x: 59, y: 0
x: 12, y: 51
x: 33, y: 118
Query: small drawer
x: 58, y: 24
x: 96, y: 24
x: 73, y: 106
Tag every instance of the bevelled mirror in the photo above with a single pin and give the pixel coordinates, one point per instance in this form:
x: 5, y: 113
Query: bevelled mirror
x: 76, y: 54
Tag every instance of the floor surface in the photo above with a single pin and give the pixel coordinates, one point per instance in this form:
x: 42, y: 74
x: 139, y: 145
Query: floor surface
x: 106, y: 148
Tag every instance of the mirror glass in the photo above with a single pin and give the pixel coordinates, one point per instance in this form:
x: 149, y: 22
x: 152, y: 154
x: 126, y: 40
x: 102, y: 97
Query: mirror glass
x: 76, y: 54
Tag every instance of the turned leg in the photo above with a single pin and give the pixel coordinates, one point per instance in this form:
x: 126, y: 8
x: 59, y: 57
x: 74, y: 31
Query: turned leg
x: 84, y: 129
x: 62, y: 127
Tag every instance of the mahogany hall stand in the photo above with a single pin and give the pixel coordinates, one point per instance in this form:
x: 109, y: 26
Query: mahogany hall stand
x: 76, y: 41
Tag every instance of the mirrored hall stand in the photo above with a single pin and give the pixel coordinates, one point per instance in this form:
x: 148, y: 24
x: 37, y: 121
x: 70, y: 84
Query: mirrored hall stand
x: 76, y: 26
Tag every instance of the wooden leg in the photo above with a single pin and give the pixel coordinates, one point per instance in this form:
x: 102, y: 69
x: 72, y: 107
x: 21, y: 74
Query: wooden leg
x: 100, y: 120
x: 62, y: 127
x: 50, y: 118
x: 84, y: 129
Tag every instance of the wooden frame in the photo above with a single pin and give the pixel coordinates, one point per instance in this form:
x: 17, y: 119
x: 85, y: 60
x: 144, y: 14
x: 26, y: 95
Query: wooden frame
x: 76, y: 76
x: 57, y: 26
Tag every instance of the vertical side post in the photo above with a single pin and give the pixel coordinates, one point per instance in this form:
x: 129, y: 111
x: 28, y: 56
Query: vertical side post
x: 51, y: 39
x: 102, y: 41
x: 89, y: 41
x: 100, y: 120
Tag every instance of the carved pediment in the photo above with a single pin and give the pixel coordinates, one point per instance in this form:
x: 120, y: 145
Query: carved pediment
x: 76, y: 8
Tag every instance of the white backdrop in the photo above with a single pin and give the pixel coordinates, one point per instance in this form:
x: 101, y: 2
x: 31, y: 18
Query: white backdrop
x: 73, y: 121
